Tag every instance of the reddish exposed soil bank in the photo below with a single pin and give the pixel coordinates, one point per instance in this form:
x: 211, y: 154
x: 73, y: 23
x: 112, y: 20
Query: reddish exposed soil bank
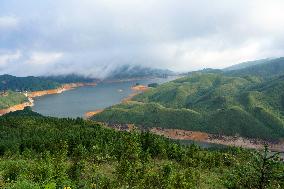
x: 61, y: 89
x: 17, y: 107
x: 218, y: 139
x: 34, y: 94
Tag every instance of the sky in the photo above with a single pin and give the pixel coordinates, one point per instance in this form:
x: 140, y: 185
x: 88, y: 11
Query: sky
x: 94, y: 37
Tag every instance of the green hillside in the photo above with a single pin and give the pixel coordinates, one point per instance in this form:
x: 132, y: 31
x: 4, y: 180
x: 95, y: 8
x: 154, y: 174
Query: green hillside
x: 43, y: 152
x: 247, y: 64
x: 70, y: 78
x: 245, y: 106
x: 265, y: 69
x: 11, y: 98
x: 30, y: 83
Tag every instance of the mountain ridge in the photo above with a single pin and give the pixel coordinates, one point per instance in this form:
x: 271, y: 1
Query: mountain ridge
x: 213, y: 103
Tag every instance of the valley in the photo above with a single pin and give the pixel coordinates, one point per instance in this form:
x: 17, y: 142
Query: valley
x: 205, y: 101
x: 209, y: 116
x: 107, y: 94
x: 243, y: 110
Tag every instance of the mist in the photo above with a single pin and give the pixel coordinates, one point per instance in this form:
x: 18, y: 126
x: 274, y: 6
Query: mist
x: 94, y: 37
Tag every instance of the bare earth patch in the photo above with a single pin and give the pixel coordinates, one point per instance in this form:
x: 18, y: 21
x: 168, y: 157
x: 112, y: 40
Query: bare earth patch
x: 92, y: 113
x: 218, y: 139
x: 141, y: 88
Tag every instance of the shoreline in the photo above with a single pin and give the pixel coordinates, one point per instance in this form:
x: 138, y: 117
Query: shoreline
x: 34, y: 94
x: 17, y: 107
x: 90, y: 114
x: 64, y: 87
x: 136, y: 90
x: 179, y: 134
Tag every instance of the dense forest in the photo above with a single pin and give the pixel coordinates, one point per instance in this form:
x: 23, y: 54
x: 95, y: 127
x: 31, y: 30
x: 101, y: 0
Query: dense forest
x: 248, y: 64
x: 70, y: 78
x: 44, y: 152
x: 228, y: 103
x: 30, y: 83
x: 263, y: 68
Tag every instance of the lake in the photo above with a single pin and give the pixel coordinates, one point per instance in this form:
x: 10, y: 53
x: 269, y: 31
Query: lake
x: 76, y: 102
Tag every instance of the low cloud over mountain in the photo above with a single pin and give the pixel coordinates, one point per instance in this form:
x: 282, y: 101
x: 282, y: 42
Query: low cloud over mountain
x: 93, y: 37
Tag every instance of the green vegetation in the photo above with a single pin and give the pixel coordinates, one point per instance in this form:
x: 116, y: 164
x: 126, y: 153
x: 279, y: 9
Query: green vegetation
x: 44, y: 152
x: 247, y: 64
x: 214, y: 103
x: 31, y: 83
x: 8, y: 82
x: 10, y: 98
x: 263, y: 68
x: 71, y: 78
x: 154, y: 85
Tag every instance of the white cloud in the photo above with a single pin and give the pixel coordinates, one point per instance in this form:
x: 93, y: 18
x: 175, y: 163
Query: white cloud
x: 268, y: 16
x: 181, y: 35
x: 7, y: 22
x: 44, y: 58
x: 9, y: 57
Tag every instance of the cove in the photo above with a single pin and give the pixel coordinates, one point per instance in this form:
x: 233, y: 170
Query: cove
x: 76, y: 102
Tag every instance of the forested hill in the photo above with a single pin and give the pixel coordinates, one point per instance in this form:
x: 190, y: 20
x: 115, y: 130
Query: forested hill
x: 248, y: 64
x: 264, y: 68
x: 44, y: 152
x: 214, y: 103
x: 70, y: 78
x: 30, y: 83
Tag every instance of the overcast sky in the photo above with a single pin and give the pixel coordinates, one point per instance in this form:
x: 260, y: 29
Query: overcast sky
x: 94, y: 36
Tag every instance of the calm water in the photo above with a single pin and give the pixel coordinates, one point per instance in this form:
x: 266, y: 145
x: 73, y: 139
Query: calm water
x: 76, y: 102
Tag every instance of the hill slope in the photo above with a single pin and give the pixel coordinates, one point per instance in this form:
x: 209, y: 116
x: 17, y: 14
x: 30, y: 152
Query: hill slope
x: 213, y: 103
x: 71, y: 78
x: 247, y: 64
x: 265, y: 69
x: 44, y: 152
x: 10, y: 98
x: 30, y: 83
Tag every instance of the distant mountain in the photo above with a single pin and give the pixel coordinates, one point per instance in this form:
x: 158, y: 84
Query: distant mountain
x: 70, y: 78
x: 128, y: 71
x: 247, y: 64
x: 264, y: 68
x: 30, y: 83
x: 205, y: 70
